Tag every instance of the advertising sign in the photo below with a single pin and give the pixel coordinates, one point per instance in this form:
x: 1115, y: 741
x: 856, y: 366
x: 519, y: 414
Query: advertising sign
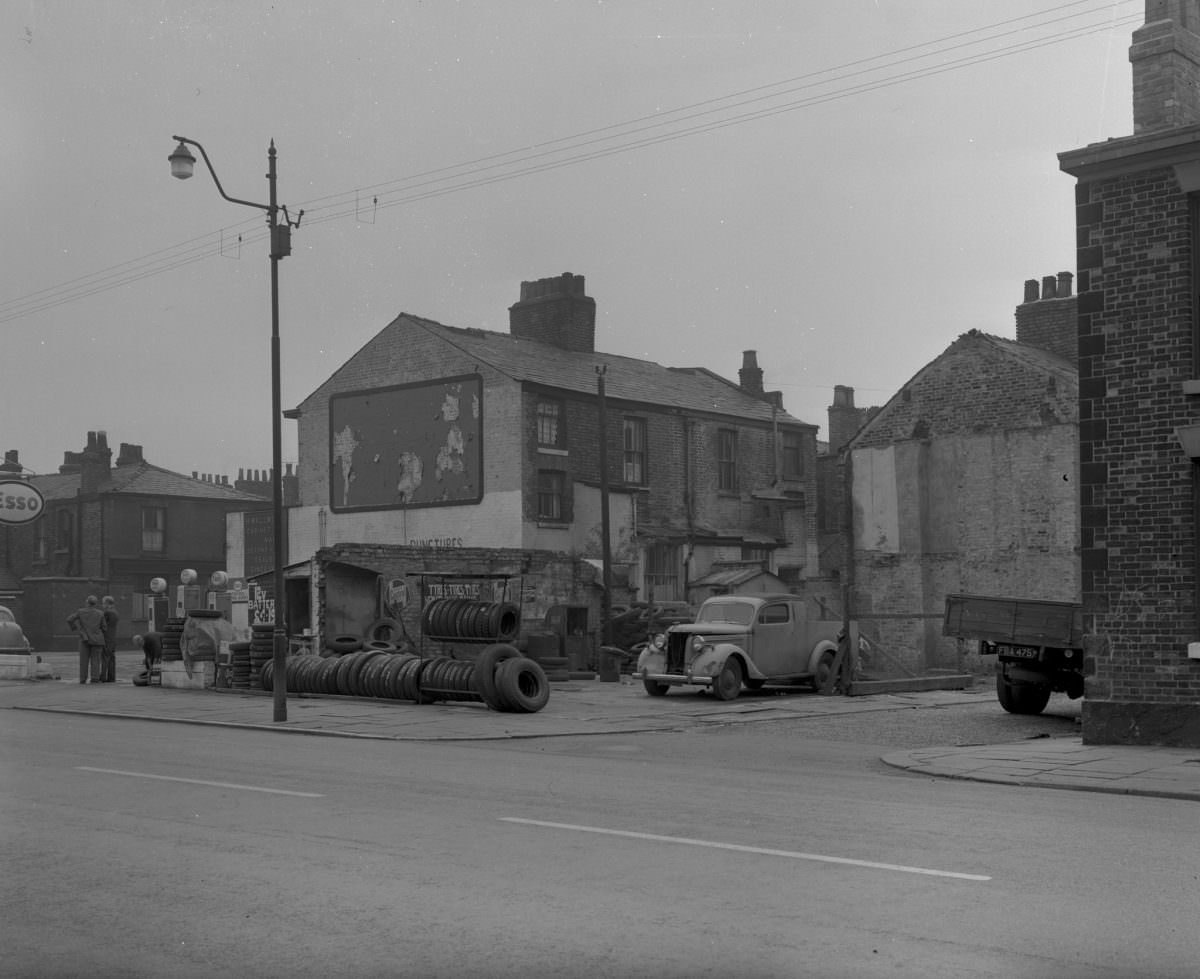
x: 19, y: 502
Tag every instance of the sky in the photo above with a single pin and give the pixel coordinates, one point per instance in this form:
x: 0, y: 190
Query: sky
x: 843, y: 187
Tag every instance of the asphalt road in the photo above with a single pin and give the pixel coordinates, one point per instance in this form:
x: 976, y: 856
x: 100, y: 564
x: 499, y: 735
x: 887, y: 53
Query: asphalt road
x: 150, y: 849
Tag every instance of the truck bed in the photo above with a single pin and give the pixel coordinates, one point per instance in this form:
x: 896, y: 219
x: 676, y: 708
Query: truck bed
x: 1022, y: 621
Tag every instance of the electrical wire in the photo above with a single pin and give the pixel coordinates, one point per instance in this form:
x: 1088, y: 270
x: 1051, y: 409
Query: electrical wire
x: 707, y: 116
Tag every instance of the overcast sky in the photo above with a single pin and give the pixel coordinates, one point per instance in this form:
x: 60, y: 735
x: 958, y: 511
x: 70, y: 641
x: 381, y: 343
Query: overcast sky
x: 845, y: 187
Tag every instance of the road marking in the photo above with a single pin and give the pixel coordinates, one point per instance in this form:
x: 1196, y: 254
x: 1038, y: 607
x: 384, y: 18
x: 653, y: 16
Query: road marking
x: 739, y: 848
x: 200, y: 781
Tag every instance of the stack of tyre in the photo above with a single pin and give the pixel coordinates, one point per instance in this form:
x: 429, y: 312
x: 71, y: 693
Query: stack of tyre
x: 262, y: 649
x: 172, y: 631
x: 501, y: 677
x: 239, y: 672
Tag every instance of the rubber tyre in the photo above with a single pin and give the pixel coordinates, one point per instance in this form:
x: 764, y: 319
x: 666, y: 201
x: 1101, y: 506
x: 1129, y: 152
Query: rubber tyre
x: 379, y: 645
x: 728, y: 683
x: 824, y: 665
x: 385, y: 630
x: 654, y: 688
x: 1021, y: 698
x: 485, y: 672
x: 523, y: 684
x: 345, y: 644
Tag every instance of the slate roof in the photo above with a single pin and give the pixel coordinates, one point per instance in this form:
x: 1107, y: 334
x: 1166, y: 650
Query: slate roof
x: 142, y: 479
x: 979, y: 383
x: 694, y: 389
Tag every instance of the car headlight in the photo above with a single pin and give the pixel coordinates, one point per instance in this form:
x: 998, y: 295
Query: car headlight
x: 698, y: 643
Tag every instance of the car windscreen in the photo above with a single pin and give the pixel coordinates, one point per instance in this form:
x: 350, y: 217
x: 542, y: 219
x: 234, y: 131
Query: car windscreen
x: 739, y: 613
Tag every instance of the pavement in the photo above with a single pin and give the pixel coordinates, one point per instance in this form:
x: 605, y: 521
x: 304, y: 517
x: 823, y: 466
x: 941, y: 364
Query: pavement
x: 588, y: 707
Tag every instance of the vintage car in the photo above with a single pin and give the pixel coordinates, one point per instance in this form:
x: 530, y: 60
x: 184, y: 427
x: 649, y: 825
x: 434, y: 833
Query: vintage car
x: 742, y: 639
x: 12, y: 638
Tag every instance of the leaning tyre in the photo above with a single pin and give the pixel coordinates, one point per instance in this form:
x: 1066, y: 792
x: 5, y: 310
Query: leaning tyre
x: 385, y: 630
x: 1021, y: 698
x: 523, y: 684
x: 485, y: 670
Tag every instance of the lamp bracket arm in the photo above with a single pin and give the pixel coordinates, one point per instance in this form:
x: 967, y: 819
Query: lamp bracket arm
x: 216, y: 180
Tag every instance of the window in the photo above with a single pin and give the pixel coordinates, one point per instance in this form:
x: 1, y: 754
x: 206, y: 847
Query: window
x: 760, y: 554
x: 154, y: 527
x: 793, y: 467
x: 549, y: 424
x: 63, y: 530
x: 727, y: 460
x: 773, y: 613
x: 662, y: 573
x: 635, y: 451
x: 550, y: 498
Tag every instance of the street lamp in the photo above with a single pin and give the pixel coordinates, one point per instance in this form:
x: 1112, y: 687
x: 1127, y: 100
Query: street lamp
x: 182, y: 166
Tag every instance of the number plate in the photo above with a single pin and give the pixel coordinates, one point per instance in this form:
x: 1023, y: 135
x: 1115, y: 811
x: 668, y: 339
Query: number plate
x: 1017, y: 652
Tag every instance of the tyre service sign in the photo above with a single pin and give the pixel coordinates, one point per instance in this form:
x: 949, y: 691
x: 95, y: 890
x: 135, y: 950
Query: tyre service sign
x: 19, y: 502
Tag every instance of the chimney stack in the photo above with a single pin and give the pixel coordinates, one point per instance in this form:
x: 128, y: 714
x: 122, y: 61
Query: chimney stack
x: 750, y: 377
x: 95, y: 463
x: 1050, y: 322
x: 555, y: 311
x: 129, y: 455
x: 1165, y: 56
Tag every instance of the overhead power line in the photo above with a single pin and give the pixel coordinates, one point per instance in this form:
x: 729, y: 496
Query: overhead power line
x: 844, y: 81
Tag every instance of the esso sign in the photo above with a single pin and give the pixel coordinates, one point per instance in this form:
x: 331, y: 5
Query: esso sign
x: 19, y: 502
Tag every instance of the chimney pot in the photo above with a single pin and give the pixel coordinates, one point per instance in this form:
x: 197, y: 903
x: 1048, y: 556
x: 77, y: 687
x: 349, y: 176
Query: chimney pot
x: 1064, y: 284
x: 1032, y: 291
x: 1049, y: 284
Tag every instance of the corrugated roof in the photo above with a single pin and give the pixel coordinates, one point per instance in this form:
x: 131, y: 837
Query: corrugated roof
x: 142, y: 479
x: 695, y: 389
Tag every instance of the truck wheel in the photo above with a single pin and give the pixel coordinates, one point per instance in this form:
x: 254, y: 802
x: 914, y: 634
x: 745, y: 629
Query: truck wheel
x: 1021, y: 698
x: 656, y: 689
x: 728, y: 683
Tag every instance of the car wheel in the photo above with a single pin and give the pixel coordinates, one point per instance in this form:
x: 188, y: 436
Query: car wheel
x: 728, y: 683
x: 654, y: 688
x: 1021, y: 698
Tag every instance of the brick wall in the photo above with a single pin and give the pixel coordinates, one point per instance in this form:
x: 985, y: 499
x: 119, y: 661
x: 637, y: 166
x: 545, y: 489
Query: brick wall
x: 1138, y: 515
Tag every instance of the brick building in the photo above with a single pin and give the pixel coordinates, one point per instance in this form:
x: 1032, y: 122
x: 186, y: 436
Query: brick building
x: 1138, y: 236
x: 965, y: 481
x: 433, y: 436
x: 108, y: 529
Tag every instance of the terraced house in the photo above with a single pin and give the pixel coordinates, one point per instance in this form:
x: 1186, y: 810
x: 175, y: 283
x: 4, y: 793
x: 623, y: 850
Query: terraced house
x: 452, y: 441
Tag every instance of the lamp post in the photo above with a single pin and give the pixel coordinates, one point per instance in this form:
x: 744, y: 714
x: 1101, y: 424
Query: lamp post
x: 182, y: 165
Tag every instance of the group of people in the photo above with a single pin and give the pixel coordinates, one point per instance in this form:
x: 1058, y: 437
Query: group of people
x: 96, y: 624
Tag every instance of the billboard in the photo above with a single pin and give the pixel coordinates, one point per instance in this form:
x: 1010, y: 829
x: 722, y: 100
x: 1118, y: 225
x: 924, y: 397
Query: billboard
x: 411, y: 445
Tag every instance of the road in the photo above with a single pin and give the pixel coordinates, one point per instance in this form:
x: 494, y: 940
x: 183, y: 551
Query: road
x: 149, y: 849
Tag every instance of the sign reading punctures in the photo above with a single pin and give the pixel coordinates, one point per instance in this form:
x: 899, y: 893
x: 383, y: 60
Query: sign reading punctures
x: 19, y: 502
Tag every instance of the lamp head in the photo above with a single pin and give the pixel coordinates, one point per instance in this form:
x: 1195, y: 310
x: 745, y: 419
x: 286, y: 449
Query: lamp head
x: 182, y: 162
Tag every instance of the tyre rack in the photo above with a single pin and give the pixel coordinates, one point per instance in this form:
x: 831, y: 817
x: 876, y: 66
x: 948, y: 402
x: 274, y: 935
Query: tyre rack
x: 456, y: 619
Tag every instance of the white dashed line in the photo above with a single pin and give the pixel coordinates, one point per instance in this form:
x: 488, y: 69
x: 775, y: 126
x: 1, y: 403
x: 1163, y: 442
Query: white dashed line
x: 739, y: 848
x: 199, y: 781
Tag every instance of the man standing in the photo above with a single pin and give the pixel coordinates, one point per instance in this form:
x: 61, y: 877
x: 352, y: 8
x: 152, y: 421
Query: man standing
x: 89, y: 623
x: 151, y: 646
x: 108, y: 660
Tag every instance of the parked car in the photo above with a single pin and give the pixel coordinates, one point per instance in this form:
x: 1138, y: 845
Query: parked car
x: 12, y: 638
x: 742, y: 639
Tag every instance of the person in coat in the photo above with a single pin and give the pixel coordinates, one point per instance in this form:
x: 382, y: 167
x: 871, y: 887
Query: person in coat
x: 108, y: 660
x: 88, y: 622
x: 151, y: 646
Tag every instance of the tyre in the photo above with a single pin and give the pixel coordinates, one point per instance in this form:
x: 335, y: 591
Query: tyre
x: 523, y: 684
x: 385, y: 630
x: 485, y: 670
x: 728, y: 683
x: 1021, y: 698
x: 654, y: 688
x: 824, y: 668
x: 344, y: 644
